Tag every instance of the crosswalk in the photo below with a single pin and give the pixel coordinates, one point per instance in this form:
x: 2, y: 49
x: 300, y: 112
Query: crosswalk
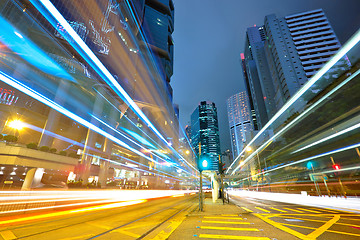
x: 228, y: 226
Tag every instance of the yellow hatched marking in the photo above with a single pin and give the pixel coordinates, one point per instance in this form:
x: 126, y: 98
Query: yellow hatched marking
x: 308, y: 210
x: 332, y: 231
x: 278, y: 209
x: 280, y: 226
x: 246, y: 209
x: 214, y: 236
x: 324, y: 227
x: 230, y: 228
x: 290, y: 209
x: 261, y: 209
x: 224, y: 222
x: 7, y: 235
x: 231, y: 218
x: 229, y: 215
x: 325, y: 210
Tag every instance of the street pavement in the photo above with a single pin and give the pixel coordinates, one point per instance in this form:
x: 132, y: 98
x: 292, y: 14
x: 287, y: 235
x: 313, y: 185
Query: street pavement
x: 178, y: 218
x: 249, y: 218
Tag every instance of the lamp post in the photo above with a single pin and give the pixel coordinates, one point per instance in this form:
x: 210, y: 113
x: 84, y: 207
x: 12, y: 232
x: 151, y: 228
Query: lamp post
x: 17, y: 125
x: 249, y: 149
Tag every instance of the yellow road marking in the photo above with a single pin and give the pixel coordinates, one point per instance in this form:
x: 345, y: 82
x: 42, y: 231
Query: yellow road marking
x: 230, y: 228
x: 308, y: 210
x: 246, y: 209
x: 324, y: 227
x: 346, y: 233
x: 332, y: 231
x: 278, y: 209
x: 232, y: 237
x: 325, y: 210
x: 281, y: 227
x: 229, y: 215
x: 293, y: 210
x: 261, y: 209
x: 204, y: 221
x: 231, y: 218
x: 174, y: 224
x: 7, y: 235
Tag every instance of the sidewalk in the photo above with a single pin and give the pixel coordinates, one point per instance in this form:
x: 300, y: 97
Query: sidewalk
x: 222, y: 221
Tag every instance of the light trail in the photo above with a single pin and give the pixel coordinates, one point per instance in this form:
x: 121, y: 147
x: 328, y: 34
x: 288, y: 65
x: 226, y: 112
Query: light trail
x: 308, y: 110
x: 356, y: 126
x: 48, y: 10
x: 309, y: 158
x: 341, y: 53
x: 23, y: 88
x: 88, y: 197
x: 68, y: 212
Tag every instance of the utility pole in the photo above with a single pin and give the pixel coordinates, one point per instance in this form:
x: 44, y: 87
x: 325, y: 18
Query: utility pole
x: 201, y: 207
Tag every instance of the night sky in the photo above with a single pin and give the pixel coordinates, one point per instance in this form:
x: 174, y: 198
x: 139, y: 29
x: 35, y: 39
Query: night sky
x: 210, y: 35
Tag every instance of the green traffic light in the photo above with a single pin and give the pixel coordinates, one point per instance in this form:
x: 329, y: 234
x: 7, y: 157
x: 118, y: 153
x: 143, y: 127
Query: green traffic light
x: 204, y: 163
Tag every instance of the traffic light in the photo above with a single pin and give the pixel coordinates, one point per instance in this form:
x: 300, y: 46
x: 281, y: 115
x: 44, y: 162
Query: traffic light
x: 203, y: 164
x: 336, y: 166
x: 222, y: 168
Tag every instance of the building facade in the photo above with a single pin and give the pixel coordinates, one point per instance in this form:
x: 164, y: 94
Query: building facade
x: 239, y: 121
x: 285, y: 53
x: 158, y: 26
x: 205, y: 133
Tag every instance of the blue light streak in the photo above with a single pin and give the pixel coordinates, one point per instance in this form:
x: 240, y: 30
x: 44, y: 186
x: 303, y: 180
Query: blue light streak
x: 48, y: 10
x: 308, y: 110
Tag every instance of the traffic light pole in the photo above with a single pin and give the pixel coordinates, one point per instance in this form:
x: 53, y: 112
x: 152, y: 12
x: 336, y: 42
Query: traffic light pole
x: 201, y: 205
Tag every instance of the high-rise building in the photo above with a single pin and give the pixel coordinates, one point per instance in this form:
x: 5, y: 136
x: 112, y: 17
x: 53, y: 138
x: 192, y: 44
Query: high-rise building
x: 158, y: 26
x: 258, y: 75
x: 285, y: 53
x: 205, y: 132
x: 297, y: 46
x: 239, y: 121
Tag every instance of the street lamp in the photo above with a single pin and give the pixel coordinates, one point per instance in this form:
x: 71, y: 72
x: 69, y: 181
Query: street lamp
x: 16, y: 124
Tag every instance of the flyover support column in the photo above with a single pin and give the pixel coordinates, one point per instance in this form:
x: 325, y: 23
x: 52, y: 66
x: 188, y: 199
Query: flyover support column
x: 215, y: 188
x: 32, y: 179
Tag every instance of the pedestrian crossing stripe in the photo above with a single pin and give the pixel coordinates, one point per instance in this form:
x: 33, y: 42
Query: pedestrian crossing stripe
x: 230, y: 228
x: 224, y: 222
x: 261, y: 209
x: 278, y: 209
x: 216, y: 236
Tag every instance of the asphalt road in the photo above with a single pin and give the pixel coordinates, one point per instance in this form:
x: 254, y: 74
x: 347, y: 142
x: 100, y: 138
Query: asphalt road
x: 97, y: 222
x: 303, y: 222
x: 176, y: 218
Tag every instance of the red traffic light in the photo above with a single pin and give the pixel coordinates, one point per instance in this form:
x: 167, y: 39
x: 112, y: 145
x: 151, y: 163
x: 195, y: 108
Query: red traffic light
x: 336, y: 167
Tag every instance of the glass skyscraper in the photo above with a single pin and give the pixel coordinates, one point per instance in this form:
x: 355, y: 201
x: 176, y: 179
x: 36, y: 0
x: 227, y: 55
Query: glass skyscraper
x: 239, y: 121
x: 281, y: 55
x: 205, y: 132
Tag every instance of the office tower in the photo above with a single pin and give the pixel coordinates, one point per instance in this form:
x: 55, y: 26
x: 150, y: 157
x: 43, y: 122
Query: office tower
x: 205, y: 132
x: 297, y: 47
x: 258, y: 74
x: 158, y: 26
x: 247, y: 86
x: 239, y: 121
x: 293, y: 49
